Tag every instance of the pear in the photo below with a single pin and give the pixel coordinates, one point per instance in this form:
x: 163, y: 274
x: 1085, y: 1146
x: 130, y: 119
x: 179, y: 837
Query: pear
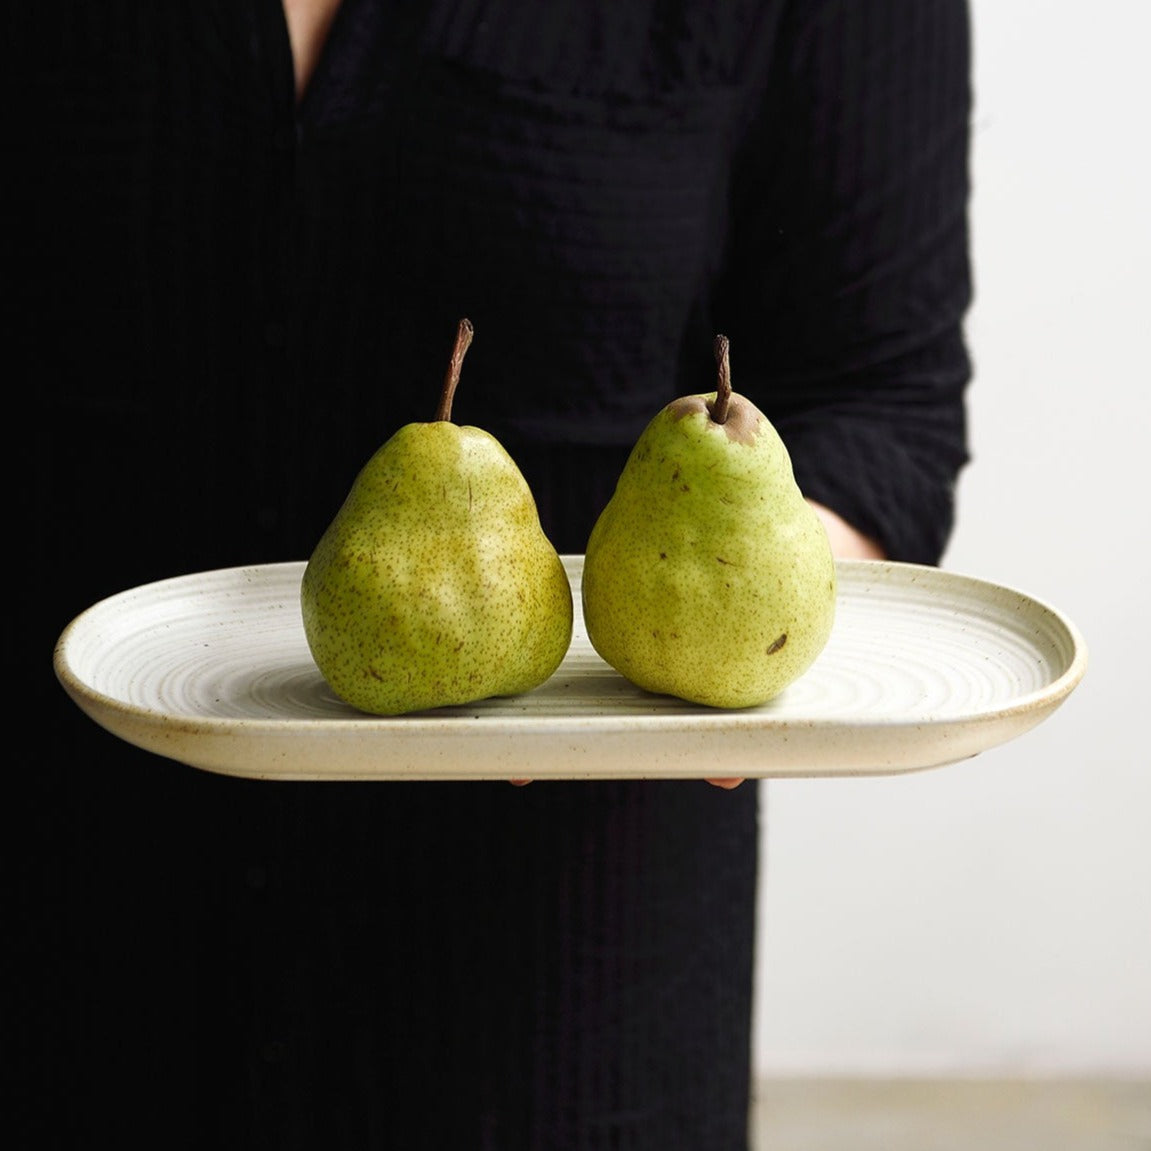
x: 435, y: 585
x: 707, y: 576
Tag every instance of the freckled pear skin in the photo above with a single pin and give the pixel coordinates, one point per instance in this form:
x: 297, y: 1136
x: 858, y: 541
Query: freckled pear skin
x: 708, y: 576
x: 435, y: 585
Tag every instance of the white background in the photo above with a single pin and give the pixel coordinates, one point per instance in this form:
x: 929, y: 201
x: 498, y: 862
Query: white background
x: 994, y: 917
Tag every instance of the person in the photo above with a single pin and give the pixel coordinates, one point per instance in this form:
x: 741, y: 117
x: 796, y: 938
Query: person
x: 248, y: 231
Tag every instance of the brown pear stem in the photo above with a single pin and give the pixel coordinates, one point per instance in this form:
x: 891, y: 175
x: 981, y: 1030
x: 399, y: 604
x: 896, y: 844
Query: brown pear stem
x: 464, y: 334
x: 718, y: 407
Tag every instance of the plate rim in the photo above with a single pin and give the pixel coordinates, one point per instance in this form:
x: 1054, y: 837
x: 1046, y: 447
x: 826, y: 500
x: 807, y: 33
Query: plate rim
x: 1036, y: 704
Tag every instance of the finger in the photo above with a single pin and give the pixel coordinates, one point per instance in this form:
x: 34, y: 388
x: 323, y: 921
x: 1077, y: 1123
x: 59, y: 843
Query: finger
x: 519, y: 782
x: 727, y: 784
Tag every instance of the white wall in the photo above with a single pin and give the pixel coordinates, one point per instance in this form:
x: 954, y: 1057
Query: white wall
x: 995, y: 916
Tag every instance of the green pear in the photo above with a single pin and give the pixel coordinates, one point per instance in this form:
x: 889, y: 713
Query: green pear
x: 707, y: 575
x: 435, y: 584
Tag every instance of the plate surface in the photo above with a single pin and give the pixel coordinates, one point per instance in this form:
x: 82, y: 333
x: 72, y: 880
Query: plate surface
x: 924, y: 668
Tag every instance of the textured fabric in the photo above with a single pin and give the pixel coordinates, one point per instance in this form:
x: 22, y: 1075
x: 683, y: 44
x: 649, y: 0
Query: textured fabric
x: 225, y: 303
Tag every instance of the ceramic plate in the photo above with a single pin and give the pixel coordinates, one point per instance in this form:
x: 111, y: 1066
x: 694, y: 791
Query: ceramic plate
x: 924, y: 668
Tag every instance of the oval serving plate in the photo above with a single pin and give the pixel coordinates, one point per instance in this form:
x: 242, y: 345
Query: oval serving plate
x: 924, y: 668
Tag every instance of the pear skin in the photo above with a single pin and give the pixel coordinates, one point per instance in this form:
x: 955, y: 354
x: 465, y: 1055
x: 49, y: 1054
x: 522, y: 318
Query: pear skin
x: 435, y: 585
x: 707, y: 575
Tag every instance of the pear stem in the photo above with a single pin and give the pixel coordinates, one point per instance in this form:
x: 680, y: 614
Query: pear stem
x: 718, y: 407
x: 464, y: 334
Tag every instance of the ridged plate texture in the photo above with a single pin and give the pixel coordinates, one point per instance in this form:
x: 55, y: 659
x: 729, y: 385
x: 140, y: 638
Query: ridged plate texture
x: 924, y: 667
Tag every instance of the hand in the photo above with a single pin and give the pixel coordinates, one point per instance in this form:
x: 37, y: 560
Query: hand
x: 846, y: 542
x: 726, y: 784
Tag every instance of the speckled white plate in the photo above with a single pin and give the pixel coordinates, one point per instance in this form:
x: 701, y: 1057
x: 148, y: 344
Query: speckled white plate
x: 924, y: 668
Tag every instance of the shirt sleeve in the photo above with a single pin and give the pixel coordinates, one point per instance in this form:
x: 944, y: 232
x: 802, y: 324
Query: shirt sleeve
x: 848, y: 262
